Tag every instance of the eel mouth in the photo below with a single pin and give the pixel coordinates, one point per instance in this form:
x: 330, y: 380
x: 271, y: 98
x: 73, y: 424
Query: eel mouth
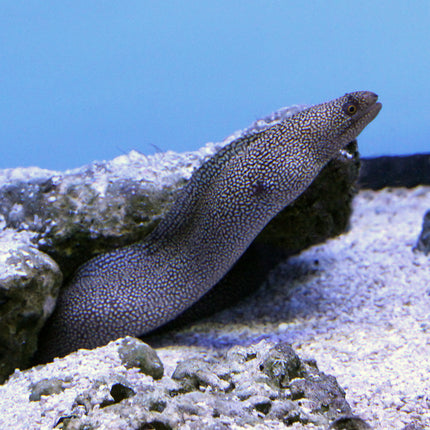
x: 373, y: 110
x: 370, y: 113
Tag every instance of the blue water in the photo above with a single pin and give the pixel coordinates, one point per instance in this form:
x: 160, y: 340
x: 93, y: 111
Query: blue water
x: 83, y: 80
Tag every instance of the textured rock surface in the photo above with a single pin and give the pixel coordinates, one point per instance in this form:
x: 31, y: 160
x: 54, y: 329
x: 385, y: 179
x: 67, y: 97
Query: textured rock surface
x: 29, y: 284
x: 262, y: 386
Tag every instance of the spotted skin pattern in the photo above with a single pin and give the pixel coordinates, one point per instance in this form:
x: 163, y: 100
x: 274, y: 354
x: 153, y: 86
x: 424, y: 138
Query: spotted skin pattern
x: 227, y: 202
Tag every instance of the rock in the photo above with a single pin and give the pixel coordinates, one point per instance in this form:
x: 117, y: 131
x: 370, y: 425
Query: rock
x: 309, y: 388
x: 94, y: 389
x: 195, y: 375
x: 349, y: 423
x: 135, y: 353
x: 395, y: 171
x: 29, y: 284
x: 282, y: 365
x: 423, y: 243
x: 77, y: 214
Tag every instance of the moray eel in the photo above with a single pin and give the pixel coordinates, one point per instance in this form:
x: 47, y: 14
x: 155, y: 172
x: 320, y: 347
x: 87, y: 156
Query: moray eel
x: 226, y: 203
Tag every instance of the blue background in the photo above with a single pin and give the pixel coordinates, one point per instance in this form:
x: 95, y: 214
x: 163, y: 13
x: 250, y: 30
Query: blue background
x: 88, y: 80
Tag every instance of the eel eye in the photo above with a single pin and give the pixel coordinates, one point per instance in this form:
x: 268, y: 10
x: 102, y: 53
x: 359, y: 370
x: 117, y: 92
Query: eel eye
x: 350, y: 109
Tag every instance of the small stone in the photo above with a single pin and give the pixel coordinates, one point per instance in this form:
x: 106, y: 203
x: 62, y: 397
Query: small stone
x: 281, y: 365
x: 350, y: 423
x: 135, y: 353
x: 197, y: 374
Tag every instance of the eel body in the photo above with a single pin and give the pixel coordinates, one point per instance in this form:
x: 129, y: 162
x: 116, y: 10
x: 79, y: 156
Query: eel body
x: 226, y: 203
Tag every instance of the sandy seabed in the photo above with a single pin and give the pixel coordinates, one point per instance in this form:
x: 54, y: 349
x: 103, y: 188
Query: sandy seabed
x: 371, y: 328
